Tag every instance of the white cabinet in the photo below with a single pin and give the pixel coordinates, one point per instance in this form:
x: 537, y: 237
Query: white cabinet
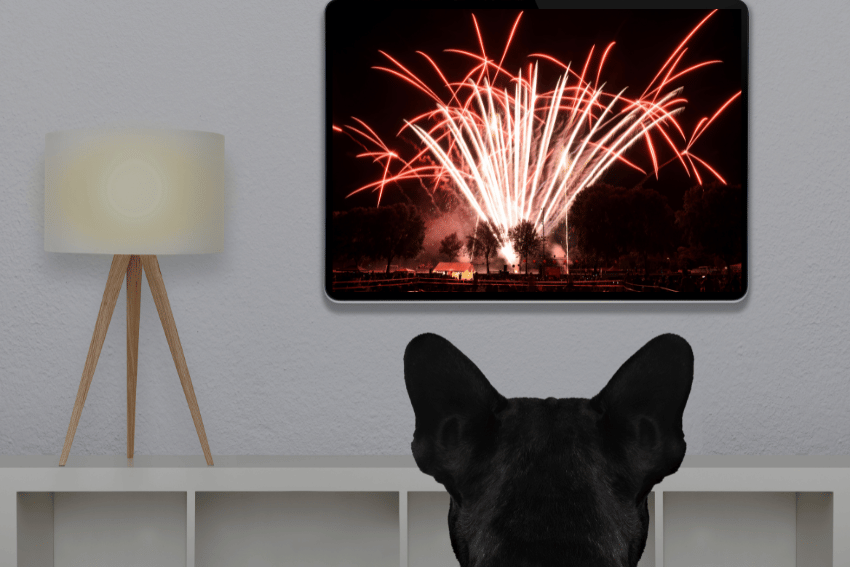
x: 381, y: 511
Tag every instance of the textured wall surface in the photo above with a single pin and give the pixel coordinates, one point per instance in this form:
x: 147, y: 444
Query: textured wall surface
x: 278, y: 368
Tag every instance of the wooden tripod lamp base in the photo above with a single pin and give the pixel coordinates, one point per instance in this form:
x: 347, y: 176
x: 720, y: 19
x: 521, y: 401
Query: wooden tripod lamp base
x: 132, y: 266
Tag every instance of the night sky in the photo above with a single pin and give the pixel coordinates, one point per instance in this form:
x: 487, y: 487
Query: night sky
x: 644, y: 41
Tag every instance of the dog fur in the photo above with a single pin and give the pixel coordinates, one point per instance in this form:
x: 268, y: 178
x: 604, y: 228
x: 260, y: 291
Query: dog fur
x: 538, y: 482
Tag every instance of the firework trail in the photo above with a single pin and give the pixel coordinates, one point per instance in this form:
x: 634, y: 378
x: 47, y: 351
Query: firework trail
x: 516, y: 153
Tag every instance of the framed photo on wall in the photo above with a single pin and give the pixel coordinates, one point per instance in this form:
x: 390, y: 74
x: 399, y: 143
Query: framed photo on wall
x: 561, y: 150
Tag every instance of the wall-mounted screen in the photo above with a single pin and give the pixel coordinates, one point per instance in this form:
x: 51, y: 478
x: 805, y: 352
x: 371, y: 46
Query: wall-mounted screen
x: 510, y: 152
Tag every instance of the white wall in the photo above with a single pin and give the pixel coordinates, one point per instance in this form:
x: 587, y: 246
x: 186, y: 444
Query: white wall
x: 279, y: 369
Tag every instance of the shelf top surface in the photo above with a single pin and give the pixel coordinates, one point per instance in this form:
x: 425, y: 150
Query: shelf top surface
x: 221, y: 461
x: 376, y: 461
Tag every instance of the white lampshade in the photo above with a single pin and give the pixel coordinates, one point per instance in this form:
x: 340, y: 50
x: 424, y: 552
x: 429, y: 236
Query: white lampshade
x: 133, y: 191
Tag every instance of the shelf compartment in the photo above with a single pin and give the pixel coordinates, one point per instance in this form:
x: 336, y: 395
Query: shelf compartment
x: 428, y: 543
x: 297, y: 528
x: 35, y: 529
x: 80, y: 529
x: 757, y: 529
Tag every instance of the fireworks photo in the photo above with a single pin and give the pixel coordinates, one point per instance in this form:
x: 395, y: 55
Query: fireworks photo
x: 535, y: 154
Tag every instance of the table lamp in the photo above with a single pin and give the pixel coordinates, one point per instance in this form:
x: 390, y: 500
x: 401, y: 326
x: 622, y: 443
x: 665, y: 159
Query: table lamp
x: 134, y: 193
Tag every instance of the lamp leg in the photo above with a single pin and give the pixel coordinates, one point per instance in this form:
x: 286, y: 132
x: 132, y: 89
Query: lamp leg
x: 134, y: 286
x: 163, y: 307
x: 107, y: 306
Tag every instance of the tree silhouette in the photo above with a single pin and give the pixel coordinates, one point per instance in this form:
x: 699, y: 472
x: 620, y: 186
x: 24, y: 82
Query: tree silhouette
x: 450, y: 246
x: 395, y: 231
x: 610, y: 221
x: 598, y: 216
x: 352, y: 236
x: 398, y: 232
x: 525, y: 239
x: 649, y: 224
x: 483, y: 242
x: 712, y: 220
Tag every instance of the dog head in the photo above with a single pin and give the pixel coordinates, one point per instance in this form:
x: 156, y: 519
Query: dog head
x: 548, y: 482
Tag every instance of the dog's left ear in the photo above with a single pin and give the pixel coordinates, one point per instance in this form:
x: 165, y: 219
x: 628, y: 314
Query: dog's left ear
x: 642, y: 407
x: 455, y: 409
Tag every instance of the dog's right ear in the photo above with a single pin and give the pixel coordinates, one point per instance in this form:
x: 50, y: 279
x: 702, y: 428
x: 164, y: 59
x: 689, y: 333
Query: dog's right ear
x: 455, y: 409
x: 642, y: 408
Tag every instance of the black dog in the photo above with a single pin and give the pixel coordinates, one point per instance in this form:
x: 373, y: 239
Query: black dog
x: 548, y: 482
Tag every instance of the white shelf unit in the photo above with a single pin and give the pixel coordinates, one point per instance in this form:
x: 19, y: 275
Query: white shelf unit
x: 381, y: 510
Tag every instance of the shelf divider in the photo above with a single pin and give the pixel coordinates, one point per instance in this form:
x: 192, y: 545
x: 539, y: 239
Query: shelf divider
x: 840, y: 528
x: 659, y: 527
x: 190, y: 528
x: 402, y: 527
x: 9, y: 527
